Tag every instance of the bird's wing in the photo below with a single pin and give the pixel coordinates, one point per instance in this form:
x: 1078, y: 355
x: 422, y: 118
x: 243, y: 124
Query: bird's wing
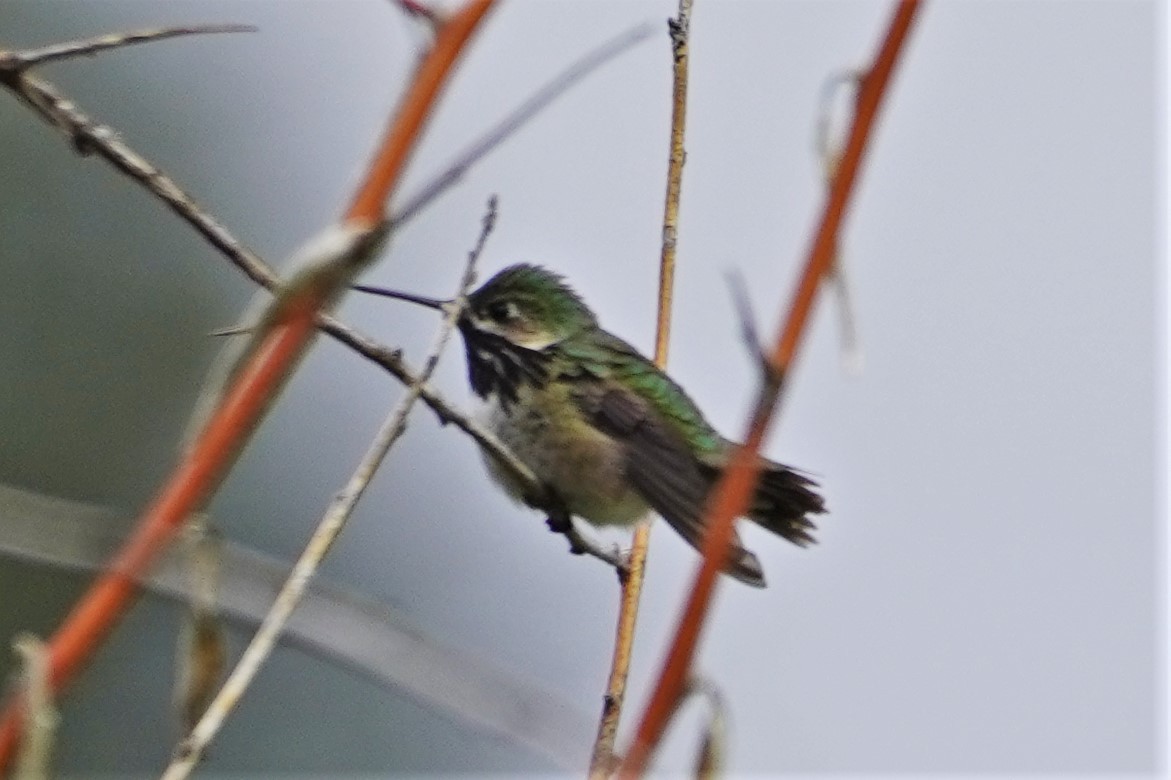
x: 661, y: 466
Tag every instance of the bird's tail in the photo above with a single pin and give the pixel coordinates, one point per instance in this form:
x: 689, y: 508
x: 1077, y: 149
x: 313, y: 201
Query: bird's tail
x: 783, y: 501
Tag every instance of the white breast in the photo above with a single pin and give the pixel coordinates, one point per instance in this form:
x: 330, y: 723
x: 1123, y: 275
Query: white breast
x: 586, y: 473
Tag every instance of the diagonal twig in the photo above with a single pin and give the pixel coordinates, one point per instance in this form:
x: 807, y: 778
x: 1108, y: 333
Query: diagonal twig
x: 748, y: 331
x: 829, y: 150
x: 331, y: 525
x: 16, y: 61
x: 90, y: 136
x: 419, y: 10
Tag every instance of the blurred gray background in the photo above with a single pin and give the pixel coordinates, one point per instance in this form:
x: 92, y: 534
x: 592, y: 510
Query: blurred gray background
x: 987, y: 594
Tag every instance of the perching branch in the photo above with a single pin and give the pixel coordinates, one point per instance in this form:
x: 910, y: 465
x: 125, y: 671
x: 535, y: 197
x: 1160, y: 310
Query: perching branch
x: 731, y: 495
x: 331, y: 525
x: 602, y: 759
x: 560, y: 521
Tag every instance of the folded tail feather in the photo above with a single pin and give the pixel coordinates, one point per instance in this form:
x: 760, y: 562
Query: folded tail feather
x: 783, y: 500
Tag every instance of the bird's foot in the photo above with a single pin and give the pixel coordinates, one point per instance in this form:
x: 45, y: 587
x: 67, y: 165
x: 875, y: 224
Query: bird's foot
x: 562, y: 523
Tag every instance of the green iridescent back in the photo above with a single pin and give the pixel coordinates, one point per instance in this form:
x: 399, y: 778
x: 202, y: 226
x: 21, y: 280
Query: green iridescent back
x: 606, y: 356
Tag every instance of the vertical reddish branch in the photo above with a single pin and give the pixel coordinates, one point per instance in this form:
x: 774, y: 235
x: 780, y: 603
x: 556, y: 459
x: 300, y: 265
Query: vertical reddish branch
x: 257, y: 383
x: 730, y: 497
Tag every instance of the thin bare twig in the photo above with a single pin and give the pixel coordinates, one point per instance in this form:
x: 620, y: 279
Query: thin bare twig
x: 731, y: 494
x: 369, y: 205
x: 16, y: 61
x: 602, y: 758
x: 748, y: 331
x: 709, y: 762
x: 829, y: 150
x: 88, y: 135
x: 418, y: 10
x: 330, y: 527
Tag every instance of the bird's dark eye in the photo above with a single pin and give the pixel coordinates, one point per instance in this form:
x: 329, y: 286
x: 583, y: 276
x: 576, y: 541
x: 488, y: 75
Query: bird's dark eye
x: 502, y: 311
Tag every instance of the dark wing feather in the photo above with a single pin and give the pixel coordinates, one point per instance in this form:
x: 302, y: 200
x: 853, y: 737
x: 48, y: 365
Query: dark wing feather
x: 783, y: 501
x: 662, y: 468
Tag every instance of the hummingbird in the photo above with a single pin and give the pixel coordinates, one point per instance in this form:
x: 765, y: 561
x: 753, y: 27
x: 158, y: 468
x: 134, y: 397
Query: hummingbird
x: 610, y: 433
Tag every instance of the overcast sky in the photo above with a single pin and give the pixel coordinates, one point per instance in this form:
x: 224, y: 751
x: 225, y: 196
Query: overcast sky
x: 984, y: 597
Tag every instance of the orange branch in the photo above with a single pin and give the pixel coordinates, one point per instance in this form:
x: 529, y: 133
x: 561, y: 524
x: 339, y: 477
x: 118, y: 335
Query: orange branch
x: 292, y: 327
x: 732, y: 493
x: 369, y: 205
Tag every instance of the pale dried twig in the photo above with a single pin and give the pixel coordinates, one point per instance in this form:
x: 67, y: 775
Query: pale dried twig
x: 331, y: 525
x: 602, y: 758
x: 829, y: 149
x: 90, y: 136
x: 560, y: 521
x: 709, y: 761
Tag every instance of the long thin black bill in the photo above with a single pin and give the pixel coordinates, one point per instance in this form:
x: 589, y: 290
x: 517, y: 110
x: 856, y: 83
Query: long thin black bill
x: 431, y: 303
